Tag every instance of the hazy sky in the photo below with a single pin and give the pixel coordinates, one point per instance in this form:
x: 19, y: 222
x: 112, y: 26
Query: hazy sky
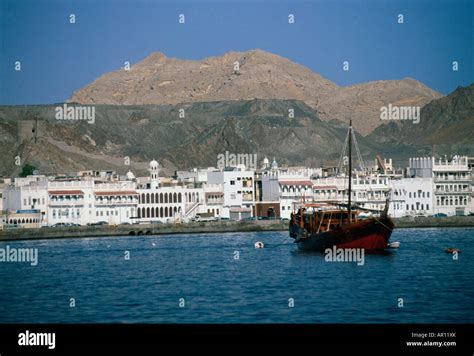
x: 58, y: 57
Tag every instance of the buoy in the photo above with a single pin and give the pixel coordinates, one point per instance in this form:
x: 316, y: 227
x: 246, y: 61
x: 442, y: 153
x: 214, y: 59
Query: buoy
x: 395, y: 244
x: 153, y: 244
x: 452, y: 250
x: 259, y: 244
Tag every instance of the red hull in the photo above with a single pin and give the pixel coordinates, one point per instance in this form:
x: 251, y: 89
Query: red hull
x: 370, y: 235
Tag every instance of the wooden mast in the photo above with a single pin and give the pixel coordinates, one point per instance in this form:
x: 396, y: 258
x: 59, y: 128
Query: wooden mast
x: 350, y: 172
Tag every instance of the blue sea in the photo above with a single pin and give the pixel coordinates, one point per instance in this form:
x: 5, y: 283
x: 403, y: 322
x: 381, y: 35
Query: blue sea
x: 222, y: 278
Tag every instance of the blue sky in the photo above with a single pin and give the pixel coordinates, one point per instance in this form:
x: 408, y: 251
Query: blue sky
x: 58, y: 57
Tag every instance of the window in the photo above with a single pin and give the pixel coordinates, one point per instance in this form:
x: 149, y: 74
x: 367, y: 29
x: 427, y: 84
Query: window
x: 409, y: 195
x: 283, y: 208
x: 427, y: 194
x: 101, y: 213
x: 232, y: 182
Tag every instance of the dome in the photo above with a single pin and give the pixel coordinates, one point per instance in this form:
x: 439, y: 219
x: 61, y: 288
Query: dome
x: 266, y: 160
x: 154, y: 164
x: 130, y: 175
x: 274, y: 164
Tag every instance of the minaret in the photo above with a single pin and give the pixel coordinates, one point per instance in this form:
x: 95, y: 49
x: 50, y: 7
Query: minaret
x: 274, y: 164
x: 154, y: 172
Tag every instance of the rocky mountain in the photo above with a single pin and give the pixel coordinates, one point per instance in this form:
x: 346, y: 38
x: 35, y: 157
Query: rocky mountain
x: 161, y: 80
x: 261, y: 127
x: 446, y: 126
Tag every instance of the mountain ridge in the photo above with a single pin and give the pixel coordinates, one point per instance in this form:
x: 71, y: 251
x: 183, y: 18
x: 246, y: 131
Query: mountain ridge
x: 158, y: 79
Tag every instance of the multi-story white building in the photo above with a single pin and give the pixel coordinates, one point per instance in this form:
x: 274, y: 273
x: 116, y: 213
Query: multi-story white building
x: 287, y: 186
x: 238, y: 191
x: 411, y: 197
x: 369, y: 191
x: 452, y: 186
x: 170, y: 202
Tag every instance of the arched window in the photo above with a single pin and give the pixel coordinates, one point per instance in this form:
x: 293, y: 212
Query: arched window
x: 157, y: 212
x: 152, y: 198
x: 147, y: 212
x: 142, y: 200
x: 156, y: 198
x: 139, y: 213
x: 148, y: 198
x: 161, y: 198
x: 152, y: 210
x: 175, y: 198
x: 143, y: 213
x: 179, y: 198
x: 161, y: 212
x: 166, y: 198
x: 175, y: 210
x: 166, y: 212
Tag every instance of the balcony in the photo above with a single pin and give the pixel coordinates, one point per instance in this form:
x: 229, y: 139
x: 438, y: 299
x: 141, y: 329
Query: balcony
x: 451, y: 192
x: 455, y: 179
x: 101, y: 203
x: 66, y: 203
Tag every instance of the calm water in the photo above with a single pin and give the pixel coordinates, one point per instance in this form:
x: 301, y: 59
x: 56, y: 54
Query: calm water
x: 253, y: 289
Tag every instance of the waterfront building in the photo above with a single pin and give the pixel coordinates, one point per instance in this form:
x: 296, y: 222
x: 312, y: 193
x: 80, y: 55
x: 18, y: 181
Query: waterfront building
x: 368, y: 190
x: 172, y: 201
x: 452, y: 186
x: 26, y: 194
x: 411, y: 197
x: 238, y: 191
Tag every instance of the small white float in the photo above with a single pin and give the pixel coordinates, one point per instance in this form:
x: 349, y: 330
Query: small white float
x: 259, y: 244
x: 395, y: 244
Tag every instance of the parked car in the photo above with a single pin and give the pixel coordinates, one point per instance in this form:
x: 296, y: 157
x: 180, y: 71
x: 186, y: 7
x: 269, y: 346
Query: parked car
x: 98, y: 223
x: 60, y: 224
x: 439, y: 215
x: 200, y: 218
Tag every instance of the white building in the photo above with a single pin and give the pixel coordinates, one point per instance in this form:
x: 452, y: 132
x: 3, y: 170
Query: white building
x: 170, y: 203
x: 238, y: 191
x: 287, y: 185
x: 411, y: 197
x: 452, y: 186
x: 369, y: 191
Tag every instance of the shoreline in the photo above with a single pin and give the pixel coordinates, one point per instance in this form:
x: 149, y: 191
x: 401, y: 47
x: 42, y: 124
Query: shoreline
x: 47, y: 233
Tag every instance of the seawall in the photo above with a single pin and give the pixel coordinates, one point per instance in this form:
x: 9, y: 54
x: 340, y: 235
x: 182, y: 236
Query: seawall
x: 204, y: 227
